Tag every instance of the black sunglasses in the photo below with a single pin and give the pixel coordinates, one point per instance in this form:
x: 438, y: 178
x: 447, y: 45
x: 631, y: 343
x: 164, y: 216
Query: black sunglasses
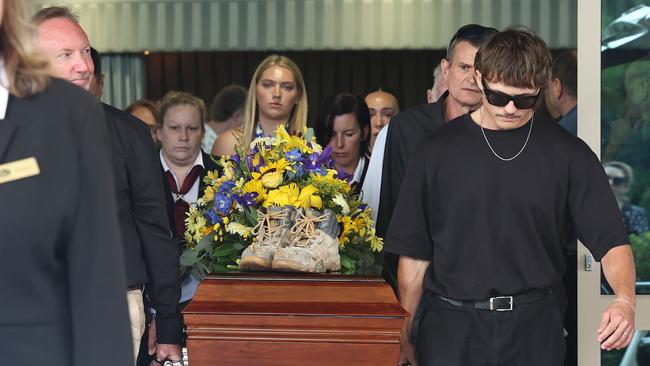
x: 472, y: 31
x: 501, y: 99
x: 616, y: 181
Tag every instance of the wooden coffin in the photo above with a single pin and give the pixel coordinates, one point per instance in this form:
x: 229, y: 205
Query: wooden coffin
x: 283, y: 319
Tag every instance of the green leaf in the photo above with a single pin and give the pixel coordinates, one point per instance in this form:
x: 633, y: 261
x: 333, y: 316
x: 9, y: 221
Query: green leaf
x: 225, y: 250
x: 189, y: 258
x: 205, y: 242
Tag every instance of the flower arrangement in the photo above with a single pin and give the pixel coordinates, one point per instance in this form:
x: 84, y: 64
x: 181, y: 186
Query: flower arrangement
x: 276, y: 171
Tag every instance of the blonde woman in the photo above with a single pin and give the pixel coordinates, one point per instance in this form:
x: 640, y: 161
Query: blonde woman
x: 276, y: 96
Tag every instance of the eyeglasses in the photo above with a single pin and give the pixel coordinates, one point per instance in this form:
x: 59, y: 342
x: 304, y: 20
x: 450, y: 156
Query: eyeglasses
x: 501, y: 99
x: 616, y: 181
x: 472, y: 31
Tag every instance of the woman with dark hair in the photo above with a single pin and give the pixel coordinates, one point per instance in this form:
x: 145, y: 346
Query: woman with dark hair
x: 344, y: 127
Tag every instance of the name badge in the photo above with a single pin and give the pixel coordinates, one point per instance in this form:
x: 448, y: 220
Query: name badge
x: 19, y: 169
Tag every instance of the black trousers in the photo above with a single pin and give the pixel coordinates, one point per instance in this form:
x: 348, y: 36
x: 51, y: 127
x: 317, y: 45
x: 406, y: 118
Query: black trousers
x: 531, y: 334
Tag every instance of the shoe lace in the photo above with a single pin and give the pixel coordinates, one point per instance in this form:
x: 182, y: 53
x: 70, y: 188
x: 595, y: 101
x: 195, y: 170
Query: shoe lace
x: 264, y: 226
x: 305, y: 228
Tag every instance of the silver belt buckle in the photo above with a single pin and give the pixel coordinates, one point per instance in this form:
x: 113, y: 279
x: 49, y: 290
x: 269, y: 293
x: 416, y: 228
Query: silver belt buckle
x: 510, y: 301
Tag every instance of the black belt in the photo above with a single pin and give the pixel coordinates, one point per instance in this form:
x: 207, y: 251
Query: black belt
x: 138, y: 287
x: 503, y: 303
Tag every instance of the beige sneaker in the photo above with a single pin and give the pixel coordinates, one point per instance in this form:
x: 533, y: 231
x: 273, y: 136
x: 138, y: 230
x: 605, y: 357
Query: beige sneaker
x: 273, y: 230
x: 314, y: 246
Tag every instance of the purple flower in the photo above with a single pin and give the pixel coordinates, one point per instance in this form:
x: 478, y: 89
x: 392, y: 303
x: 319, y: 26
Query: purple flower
x: 246, y: 200
x: 343, y: 175
x: 319, y: 162
x: 235, y: 159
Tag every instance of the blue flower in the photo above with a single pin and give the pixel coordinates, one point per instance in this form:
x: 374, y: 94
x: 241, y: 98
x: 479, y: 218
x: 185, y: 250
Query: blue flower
x: 213, y: 217
x: 222, y: 203
x: 293, y: 155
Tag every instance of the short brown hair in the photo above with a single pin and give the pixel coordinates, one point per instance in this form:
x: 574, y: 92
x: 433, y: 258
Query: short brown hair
x: 565, y: 69
x: 516, y: 57
x: 228, y: 101
x: 174, y: 98
x: 53, y: 12
x: 144, y: 103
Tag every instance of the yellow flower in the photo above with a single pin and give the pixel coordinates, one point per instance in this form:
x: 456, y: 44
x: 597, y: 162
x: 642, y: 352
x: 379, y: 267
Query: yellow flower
x: 308, y: 198
x: 212, y: 175
x: 237, y: 228
x: 284, y: 196
x: 255, y: 186
x: 290, y: 142
x: 348, y: 229
x: 272, y: 179
x: 229, y: 170
x: 292, y: 195
x: 272, y: 174
x: 208, y: 195
x: 376, y: 243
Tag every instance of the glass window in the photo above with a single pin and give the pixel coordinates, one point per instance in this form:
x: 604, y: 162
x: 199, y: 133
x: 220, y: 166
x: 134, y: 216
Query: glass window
x: 625, y: 122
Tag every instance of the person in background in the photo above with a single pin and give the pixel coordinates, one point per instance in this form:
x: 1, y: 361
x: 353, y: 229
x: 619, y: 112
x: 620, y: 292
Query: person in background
x: 226, y: 113
x: 345, y: 129
x: 276, y: 96
x: 409, y: 126
x: 97, y: 78
x: 560, y: 99
x: 184, y: 165
x: 561, y: 95
x: 63, y: 264
x: 383, y: 106
x: 150, y: 253
x: 145, y: 111
x: 439, y: 86
x: 621, y: 177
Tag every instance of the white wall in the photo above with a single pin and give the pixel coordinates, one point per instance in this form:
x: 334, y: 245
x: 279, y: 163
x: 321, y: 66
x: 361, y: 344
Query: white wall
x: 186, y: 25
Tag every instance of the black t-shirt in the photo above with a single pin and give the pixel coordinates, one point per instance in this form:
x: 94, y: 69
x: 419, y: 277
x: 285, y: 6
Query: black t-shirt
x: 405, y: 131
x: 493, y: 227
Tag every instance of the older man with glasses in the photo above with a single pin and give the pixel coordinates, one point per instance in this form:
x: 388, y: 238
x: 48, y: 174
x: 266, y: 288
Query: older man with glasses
x: 483, y: 215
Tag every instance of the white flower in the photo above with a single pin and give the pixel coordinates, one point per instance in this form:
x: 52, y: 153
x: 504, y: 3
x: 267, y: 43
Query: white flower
x: 340, y: 201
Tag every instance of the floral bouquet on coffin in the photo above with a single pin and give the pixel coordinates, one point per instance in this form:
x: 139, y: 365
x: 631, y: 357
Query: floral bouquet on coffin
x: 280, y: 205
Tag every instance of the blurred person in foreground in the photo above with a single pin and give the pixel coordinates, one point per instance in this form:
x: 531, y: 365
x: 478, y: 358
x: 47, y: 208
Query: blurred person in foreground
x: 63, y: 262
x: 150, y: 253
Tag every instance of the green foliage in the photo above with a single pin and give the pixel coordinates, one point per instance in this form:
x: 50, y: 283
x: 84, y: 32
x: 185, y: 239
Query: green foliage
x: 641, y: 249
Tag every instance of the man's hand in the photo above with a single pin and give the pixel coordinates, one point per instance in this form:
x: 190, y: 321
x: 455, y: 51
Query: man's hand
x: 161, y: 352
x: 406, y: 351
x: 616, y: 326
x: 151, y: 340
x: 164, y: 352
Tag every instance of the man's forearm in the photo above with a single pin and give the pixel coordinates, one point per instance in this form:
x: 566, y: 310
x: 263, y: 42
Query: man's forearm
x: 410, y: 278
x: 619, y: 269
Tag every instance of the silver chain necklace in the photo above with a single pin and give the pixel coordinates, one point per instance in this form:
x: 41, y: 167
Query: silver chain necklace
x: 532, y: 119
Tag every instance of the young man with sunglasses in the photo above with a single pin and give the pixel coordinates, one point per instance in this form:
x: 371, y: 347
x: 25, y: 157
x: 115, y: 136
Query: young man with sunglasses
x: 483, y: 216
x: 409, y: 126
